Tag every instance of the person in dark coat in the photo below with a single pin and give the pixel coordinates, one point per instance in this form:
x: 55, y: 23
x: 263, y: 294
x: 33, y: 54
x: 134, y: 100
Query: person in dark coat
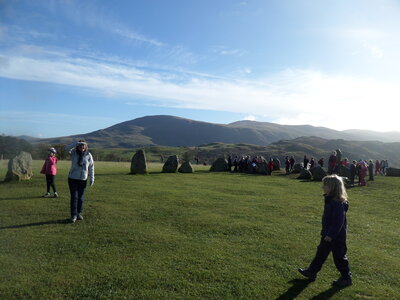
x: 371, y: 170
x: 292, y: 161
x: 305, y: 162
x: 353, y: 171
x: 333, y: 233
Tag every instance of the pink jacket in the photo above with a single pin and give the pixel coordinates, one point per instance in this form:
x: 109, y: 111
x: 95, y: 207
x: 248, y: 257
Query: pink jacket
x: 50, y: 166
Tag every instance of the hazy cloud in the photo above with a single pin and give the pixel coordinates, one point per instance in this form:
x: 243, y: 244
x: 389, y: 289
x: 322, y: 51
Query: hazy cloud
x: 292, y: 96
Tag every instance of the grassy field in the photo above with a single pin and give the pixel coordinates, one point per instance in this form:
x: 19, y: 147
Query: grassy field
x: 190, y: 236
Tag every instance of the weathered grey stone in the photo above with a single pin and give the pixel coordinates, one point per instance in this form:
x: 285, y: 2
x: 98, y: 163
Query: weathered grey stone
x: 277, y: 164
x: 317, y: 173
x: 186, y: 167
x: 171, y: 165
x: 297, y: 168
x: 343, y: 171
x: 220, y: 165
x: 338, y: 155
x: 262, y: 168
x: 20, y: 167
x: 305, y: 174
x: 138, y: 163
x: 392, y: 172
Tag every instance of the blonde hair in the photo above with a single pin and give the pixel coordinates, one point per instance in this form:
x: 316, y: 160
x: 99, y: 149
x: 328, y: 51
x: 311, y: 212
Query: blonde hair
x: 336, y: 188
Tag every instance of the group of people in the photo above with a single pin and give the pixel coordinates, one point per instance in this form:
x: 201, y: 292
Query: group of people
x: 82, y: 170
x: 248, y: 164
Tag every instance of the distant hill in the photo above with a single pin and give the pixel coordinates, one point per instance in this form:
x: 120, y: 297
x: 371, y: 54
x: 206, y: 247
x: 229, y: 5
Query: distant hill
x: 174, y: 131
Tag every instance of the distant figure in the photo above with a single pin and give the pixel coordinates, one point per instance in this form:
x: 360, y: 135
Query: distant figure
x: 287, y: 165
x: 362, y: 169
x: 270, y: 166
x: 292, y: 161
x: 321, y: 162
x: 305, y: 162
x: 378, y: 168
x: 371, y: 170
x: 332, y: 162
x: 235, y: 164
x: 345, y: 162
x: 82, y: 168
x: 229, y: 163
x: 353, y: 170
x: 161, y: 158
x: 312, y: 163
x: 333, y: 234
x: 50, y: 170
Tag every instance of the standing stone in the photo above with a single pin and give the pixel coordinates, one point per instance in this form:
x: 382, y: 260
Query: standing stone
x: 220, y: 165
x: 171, y: 165
x: 138, y: 163
x: 392, y: 172
x: 343, y: 171
x: 186, y: 167
x: 277, y: 164
x: 317, y: 173
x: 297, y: 168
x: 338, y: 156
x: 305, y: 174
x: 262, y: 168
x: 20, y: 167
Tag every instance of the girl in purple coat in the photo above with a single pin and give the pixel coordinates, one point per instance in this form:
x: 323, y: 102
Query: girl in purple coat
x: 333, y: 234
x: 50, y: 170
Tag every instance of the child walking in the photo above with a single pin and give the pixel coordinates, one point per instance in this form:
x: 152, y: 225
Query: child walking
x: 50, y: 170
x: 333, y: 234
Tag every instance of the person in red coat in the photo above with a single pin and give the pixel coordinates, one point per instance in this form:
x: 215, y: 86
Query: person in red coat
x: 50, y: 170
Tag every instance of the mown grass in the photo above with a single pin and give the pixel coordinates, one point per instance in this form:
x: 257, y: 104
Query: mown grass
x: 190, y: 236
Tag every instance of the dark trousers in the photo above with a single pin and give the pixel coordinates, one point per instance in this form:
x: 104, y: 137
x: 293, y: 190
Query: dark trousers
x: 338, y: 249
x: 50, y: 183
x: 77, y: 190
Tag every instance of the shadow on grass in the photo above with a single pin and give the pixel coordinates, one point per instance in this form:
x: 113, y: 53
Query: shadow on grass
x: 298, y: 285
x: 62, y: 221
x: 327, y: 294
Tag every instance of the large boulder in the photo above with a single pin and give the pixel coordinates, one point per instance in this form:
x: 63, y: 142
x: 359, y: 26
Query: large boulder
x: 186, y: 167
x: 262, y: 168
x: 297, y: 168
x: 343, y: 171
x: 277, y: 164
x: 171, y: 165
x: 220, y: 165
x: 338, y: 156
x: 392, y: 172
x: 20, y: 167
x: 305, y: 174
x: 317, y: 173
x: 138, y: 163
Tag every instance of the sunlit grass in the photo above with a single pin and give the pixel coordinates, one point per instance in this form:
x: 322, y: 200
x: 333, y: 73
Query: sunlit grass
x: 186, y: 236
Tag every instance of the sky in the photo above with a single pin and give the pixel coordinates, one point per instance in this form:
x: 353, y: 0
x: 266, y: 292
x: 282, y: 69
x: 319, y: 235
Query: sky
x: 72, y: 66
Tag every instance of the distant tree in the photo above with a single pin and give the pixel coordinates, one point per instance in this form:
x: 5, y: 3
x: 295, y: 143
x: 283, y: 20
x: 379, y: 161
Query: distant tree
x: 11, y: 146
x: 62, y: 153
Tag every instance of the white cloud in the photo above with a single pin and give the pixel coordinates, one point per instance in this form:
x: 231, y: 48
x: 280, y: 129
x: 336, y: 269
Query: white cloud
x: 289, y: 97
x: 250, y: 118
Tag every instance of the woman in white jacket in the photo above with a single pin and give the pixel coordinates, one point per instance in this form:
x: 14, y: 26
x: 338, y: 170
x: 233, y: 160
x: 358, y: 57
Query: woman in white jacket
x: 82, y: 168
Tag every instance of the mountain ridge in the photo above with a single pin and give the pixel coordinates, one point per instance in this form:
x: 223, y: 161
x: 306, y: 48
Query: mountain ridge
x: 166, y: 130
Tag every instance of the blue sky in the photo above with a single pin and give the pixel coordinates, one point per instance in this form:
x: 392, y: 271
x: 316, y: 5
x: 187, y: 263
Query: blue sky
x: 71, y: 67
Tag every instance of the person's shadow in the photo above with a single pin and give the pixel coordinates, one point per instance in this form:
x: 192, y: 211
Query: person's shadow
x: 298, y: 285
x: 62, y: 221
x: 327, y: 294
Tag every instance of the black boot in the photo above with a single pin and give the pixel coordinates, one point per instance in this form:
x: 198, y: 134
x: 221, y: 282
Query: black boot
x: 306, y: 273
